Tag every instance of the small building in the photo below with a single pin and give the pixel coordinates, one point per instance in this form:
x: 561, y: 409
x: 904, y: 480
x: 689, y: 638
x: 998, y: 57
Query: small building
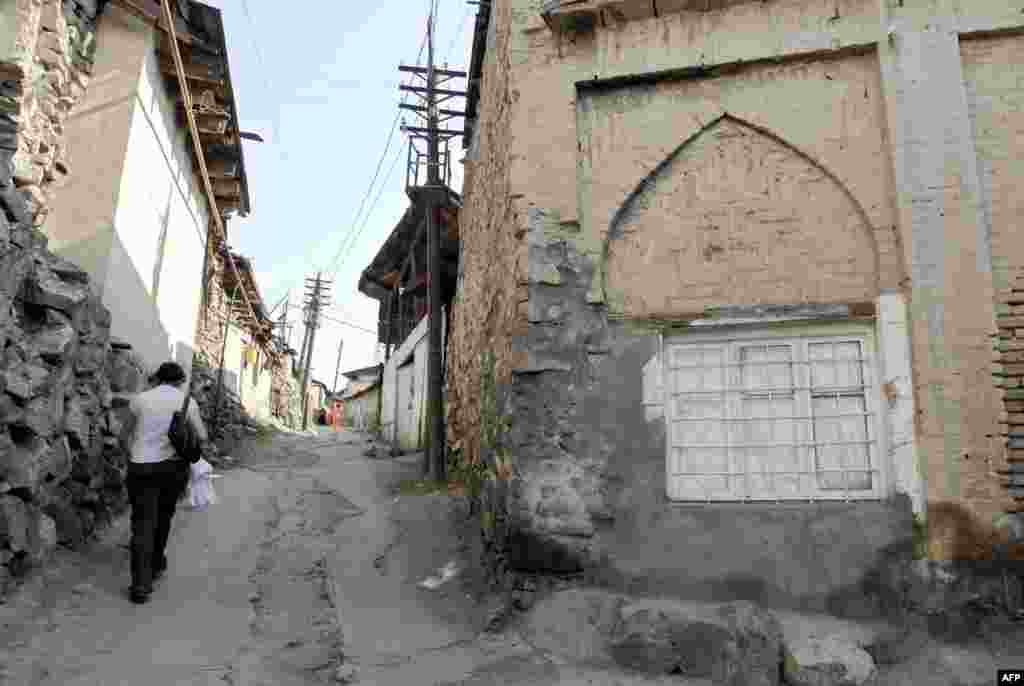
x: 745, y: 271
x: 362, y: 407
x: 134, y: 213
x: 397, y: 278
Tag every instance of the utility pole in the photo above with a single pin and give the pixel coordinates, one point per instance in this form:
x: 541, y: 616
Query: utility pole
x: 305, y: 338
x: 434, y: 193
x: 337, y: 367
x: 315, y: 299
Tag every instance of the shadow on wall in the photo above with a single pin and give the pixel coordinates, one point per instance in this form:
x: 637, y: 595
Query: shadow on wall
x: 135, y: 317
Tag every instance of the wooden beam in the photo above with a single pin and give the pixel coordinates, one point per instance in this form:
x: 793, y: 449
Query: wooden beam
x: 212, y: 125
x: 221, y: 168
x: 228, y: 188
x: 133, y: 7
x: 197, y: 147
x: 196, y: 74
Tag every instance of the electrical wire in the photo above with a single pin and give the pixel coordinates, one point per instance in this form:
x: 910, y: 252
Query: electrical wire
x: 461, y: 30
x: 366, y: 219
x: 346, y: 239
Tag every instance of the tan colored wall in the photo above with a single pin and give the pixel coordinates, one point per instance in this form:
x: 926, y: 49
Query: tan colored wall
x: 484, y: 318
x: 882, y: 135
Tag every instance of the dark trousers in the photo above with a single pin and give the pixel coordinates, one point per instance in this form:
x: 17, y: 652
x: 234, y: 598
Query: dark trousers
x: 153, y: 490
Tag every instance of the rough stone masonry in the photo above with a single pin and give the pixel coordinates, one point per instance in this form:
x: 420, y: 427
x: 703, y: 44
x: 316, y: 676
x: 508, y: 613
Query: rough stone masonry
x: 62, y: 379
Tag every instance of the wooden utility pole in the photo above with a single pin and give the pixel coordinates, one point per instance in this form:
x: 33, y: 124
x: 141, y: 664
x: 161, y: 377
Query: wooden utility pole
x: 315, y: 300
x: 434, y: 194
x: 337, y: 367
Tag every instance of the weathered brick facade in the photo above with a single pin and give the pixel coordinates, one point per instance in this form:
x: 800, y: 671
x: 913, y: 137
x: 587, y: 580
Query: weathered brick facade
x: 664, y: 170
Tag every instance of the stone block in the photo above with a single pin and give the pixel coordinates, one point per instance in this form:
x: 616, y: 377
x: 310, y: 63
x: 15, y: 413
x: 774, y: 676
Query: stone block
x: 43, y: 414
x: 827, y: 661
x: 42, y: 537
x: 13, y: 202
x: 76, y: 422
x: 25, y: 464
x: 47, y: 289
x: 14, y: 523
x: 56, y: 340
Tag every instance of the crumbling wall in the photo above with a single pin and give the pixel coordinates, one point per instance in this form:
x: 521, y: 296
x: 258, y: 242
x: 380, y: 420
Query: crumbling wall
x: 63, y: 382
x: 45, y: 62
x: 284, y: 395
x: 486, y: 309
x: 62, y: 408
x: 489, y: 307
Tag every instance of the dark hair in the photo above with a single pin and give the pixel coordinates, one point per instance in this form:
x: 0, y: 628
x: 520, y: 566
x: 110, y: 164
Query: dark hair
x: 170, y: 373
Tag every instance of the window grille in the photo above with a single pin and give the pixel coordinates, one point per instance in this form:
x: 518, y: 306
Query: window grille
x: 771, y: 419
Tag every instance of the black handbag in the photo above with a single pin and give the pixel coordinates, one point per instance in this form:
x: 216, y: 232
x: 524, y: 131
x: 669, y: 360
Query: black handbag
x: 184, y: 436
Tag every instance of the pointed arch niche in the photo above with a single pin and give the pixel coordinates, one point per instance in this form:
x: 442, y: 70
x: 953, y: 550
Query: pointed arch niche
x: 736, y: 216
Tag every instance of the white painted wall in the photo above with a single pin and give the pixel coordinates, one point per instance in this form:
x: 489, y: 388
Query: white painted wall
x: 132, y: 213
x: 396, y: 410
x: 255, y: 388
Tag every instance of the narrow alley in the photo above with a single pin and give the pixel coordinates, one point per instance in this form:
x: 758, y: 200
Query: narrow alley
x: 322, y: 563
x: 311, y: 557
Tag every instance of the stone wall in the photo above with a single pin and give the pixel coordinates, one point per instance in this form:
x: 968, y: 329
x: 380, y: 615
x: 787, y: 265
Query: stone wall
x: 284, y: 394
x: 486, y: 318
x: 45, y: 63
x: 61, y: 467
x: 64, y: 382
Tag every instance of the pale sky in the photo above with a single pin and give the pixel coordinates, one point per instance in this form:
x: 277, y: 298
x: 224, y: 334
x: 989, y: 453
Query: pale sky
x: 321, y: 87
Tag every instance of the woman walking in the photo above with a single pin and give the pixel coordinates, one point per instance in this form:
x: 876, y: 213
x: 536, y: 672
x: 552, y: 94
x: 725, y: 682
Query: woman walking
x: 156, y: 474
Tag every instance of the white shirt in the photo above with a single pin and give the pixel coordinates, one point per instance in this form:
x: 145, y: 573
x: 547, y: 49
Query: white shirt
x: 153, y: 411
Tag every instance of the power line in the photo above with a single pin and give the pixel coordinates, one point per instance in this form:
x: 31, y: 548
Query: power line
x: 366, y: 219
x: 387, y: 147
x: 458, y: 34
x: 337, y: 321
x: 263, y: 69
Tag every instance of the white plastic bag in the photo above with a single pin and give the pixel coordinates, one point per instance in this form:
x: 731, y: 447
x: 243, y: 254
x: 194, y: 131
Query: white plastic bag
x: 200, y: 486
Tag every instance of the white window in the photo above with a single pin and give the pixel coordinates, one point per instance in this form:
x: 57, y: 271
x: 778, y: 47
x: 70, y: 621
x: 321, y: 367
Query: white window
x: 771, y: 418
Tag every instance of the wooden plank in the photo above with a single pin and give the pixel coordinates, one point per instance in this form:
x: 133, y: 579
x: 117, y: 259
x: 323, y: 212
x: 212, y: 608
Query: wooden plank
x: 221, y: 168
x: 195, y: 74
x: 228, y: 188
x: 211, y: 125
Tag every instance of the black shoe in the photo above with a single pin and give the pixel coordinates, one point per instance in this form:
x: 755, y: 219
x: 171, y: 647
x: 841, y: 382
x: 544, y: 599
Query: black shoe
x: 138, y: 596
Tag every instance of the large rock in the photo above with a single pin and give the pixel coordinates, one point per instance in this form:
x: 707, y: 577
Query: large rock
x: 90, y: 358
x: 736, y: 645
x: 827, y: 661
x: 14, y: 523
x: 24, y: 464
x: 47, y: 289
x: 42, y: 536
x: 752, y: 656
x: 575, y: 624
x: 44, y: 413
x: 76, y: 423
x: 57, y: 339
x: 25, y: 380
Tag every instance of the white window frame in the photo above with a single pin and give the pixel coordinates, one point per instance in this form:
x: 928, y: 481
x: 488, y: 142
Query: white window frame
x: 802, y: 334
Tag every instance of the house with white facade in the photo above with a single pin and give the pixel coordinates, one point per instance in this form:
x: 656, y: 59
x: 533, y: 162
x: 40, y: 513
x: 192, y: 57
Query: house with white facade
x: 133, y: 211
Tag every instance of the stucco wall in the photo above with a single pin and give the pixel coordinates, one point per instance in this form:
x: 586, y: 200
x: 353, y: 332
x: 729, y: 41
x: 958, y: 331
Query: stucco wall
x: 781, y: 152
x: 404, y: 394
x: 131, y: 213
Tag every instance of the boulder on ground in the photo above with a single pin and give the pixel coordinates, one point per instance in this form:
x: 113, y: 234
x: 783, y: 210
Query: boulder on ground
x: 827, y: 661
